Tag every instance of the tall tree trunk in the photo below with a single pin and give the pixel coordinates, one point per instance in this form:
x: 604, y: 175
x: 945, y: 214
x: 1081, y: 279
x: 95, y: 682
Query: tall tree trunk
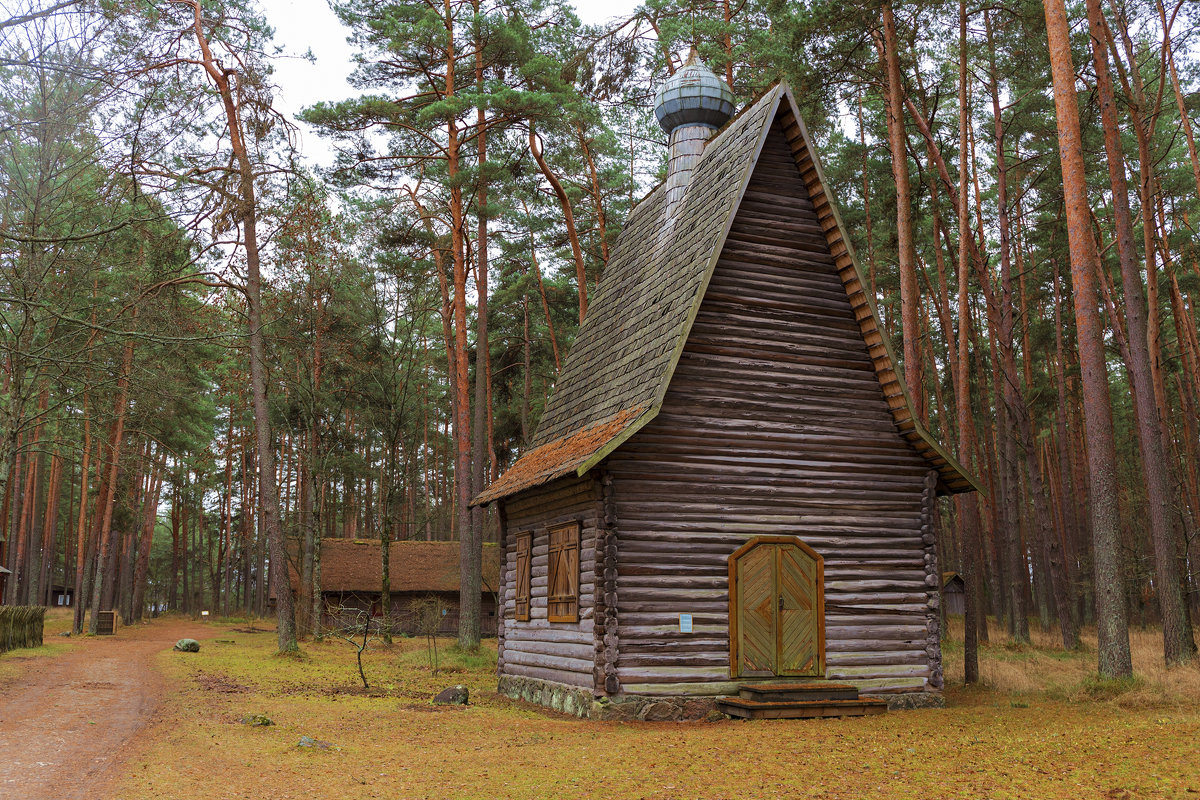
x: 469, y: 606
x: 597, y: 197
x: 149, y: 519
x: 469, y: 555
x: 1178, y: 643
x: 50, y: 532
x: 1012, y: 405
x: 312, y: 535
x: 81, y: 525
x: 968, y: 512
x: 537, y: 270
x: 907, y: 261
x: 104, y: 508
x: 1111, y: 619
x: 248, y: 211
x: 568, y: 218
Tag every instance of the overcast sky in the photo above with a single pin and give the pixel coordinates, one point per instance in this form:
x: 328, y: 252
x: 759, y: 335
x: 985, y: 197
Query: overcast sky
x: 302, y: 25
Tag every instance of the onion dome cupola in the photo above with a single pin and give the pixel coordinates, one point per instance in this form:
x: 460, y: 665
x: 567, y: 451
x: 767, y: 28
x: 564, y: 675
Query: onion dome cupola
x: 693, y: 96
x: 691, y: 105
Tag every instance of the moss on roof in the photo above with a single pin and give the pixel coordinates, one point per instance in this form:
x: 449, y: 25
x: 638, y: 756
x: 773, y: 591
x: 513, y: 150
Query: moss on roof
x: 625, y: 352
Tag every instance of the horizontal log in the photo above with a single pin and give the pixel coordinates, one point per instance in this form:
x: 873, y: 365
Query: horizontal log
x: 671, y: 674
x: 875, y: 645
x: 668, y: 633
x: 878, y: 671
x: 689, y: 645
x: 513, y: 657
x: 572, y: 650
x: 718, y: 661
x: 865, y: 658
x: 906, y: 600
x: 910, y: 632
x: 542, y: 631
x: 570, y: 678
x: 881, y: 586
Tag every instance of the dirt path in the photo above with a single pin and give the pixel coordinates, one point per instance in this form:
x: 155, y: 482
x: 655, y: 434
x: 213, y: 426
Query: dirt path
x: 68, y: 721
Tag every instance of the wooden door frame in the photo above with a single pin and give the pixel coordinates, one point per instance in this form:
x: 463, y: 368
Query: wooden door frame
x: 734, y: 671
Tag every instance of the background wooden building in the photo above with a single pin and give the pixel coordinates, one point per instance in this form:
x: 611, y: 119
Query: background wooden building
x: 953, y: 593
x: 728, y: 484
x: 351, y: 581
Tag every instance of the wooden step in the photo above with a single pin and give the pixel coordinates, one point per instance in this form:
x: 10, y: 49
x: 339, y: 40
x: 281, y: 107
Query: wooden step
x: 776, y: 692
x: 801, y: 709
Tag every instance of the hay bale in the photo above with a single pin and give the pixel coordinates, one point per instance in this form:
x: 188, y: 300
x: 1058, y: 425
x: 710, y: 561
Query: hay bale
x: 21, y: 626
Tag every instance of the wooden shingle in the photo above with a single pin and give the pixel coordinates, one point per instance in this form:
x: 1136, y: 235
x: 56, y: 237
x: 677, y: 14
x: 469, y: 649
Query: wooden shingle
x: 620, y: 366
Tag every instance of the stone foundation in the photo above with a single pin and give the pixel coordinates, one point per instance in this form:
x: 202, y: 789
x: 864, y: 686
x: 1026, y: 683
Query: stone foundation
x: 557, y: 696
x: 656, y: 709
x: 677, y: 708
x: 910, y: 700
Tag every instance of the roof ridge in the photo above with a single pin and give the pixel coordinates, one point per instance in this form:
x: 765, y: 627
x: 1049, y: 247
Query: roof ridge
x: 619, y: 370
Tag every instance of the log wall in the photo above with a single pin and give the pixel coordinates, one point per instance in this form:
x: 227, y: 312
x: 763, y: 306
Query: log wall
x: 563, y: 652
x: 775, y: 423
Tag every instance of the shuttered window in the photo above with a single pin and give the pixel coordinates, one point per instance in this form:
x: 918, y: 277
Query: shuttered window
x: 524, y: 556
x: 563, y: 599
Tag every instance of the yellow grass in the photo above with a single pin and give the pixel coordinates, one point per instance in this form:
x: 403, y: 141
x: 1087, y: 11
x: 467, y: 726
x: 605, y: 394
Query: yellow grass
x: 1044, y: 667
x: 1040, y: 729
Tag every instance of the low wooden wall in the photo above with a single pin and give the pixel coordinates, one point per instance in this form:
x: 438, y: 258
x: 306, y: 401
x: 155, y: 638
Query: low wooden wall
x: 561, y: 652
x: 21, y: 626
x: 343, y: 610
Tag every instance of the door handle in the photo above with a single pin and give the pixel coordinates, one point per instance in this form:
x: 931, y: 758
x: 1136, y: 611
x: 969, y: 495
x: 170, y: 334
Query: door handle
x: 781, y: 602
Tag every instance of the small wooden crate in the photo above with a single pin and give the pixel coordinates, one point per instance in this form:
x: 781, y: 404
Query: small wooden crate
x: 106, y: 623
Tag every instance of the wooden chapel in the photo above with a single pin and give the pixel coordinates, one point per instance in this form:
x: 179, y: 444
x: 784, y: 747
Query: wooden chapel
x: 728, y: 487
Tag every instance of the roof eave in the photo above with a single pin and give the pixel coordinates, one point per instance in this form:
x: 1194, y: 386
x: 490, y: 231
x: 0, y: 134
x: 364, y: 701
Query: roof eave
x: 951, y: 462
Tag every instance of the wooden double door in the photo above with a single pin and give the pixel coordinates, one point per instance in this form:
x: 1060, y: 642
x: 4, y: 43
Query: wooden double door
x: 776, y: 609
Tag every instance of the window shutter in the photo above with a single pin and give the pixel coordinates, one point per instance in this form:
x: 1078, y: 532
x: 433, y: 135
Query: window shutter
x: 563, y: 600
x: 524, y: 554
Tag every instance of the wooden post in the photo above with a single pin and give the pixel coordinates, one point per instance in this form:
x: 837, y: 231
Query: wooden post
x: 933, y: 581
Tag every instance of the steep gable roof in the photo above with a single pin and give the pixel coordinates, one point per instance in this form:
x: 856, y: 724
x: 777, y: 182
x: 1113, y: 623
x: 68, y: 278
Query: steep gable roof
x: 354, y: 565
x: 626, y: 350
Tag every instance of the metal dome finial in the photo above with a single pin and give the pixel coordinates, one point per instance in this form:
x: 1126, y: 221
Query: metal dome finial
x: 694, y: 95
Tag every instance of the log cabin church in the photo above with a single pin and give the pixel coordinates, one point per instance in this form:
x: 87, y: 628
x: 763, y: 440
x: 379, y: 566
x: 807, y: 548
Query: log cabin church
x: 728, y: 487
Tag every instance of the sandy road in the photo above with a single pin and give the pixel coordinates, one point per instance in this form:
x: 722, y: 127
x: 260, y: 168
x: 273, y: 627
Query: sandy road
x: 67, y: 723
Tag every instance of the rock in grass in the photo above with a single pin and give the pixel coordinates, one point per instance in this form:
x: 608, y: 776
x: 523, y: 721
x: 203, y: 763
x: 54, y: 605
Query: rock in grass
x: 187, y: 646
x: 453, y: 696
x: 308, y: 741
x: 257, y: 720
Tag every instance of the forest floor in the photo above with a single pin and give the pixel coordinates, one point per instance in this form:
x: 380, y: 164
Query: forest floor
x: 72, y: 709
x: 1041, y: 727
x: 129, y: 719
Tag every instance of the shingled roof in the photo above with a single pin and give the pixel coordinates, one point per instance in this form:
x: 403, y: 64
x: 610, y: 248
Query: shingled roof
x: 354, y: 565
x: 625, y: 352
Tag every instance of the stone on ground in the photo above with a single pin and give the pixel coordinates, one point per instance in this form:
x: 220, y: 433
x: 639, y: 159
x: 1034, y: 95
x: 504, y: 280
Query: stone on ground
x: 259, y: 720
x: 453, y: 696
x: 308, y: 741
x: 187, y: 646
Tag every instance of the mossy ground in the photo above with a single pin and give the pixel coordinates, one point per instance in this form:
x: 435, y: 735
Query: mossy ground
x: 1060, y: 733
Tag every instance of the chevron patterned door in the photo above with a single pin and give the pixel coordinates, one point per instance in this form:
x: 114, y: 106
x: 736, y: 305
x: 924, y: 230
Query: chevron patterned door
x: 797, y: 612
x: 758, y: 621
x: 777, y: 615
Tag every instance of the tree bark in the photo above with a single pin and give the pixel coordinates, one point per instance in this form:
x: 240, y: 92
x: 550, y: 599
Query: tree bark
x: 909, y: 289
x: 469, y: 606
x: 568, y: 219
x: 103, y: 516
x: 268, y: 492
x: 149, y: 520
x: 1178, y: 643
x: 1112, y: 622
x: 968, y: 512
